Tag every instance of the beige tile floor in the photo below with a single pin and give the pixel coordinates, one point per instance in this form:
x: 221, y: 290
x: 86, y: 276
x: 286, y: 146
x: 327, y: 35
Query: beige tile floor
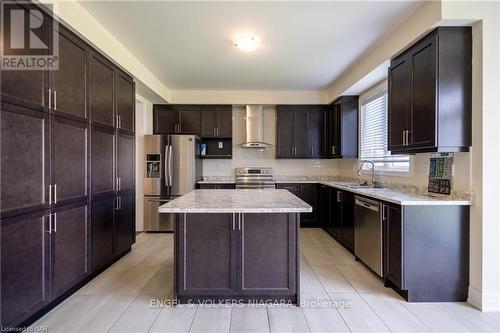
x: 120, y: 299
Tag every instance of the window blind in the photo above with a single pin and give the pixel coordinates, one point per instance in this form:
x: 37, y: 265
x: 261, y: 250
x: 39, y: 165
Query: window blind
x: 373, y: 134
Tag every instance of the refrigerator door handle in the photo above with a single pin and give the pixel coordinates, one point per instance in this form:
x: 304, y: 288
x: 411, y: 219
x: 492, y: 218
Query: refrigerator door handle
x: 170, y: 165
x: 166, y: 166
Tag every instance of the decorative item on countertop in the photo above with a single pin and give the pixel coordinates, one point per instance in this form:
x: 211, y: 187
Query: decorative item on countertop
x: 440, y: 172
x: 203, y: 149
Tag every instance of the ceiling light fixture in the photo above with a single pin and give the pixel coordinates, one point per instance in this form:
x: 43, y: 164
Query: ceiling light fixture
x: 247, y: 42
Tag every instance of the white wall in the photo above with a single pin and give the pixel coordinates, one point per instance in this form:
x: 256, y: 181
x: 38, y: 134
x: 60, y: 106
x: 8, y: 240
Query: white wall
x: 243, y: 157
x: 143, y: 126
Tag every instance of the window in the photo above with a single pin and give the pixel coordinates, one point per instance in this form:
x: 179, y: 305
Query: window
x: 373, y: 115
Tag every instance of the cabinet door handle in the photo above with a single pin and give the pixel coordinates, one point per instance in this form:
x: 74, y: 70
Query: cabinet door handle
x: 55, y: 100
x: 384, y: 212
x: 55, y: 193
x: 50, y: 224
x: 50, y: 98
x: 214, y: 132
x: 339, y: 196
x: 120, y: 202
x: 55, y: 222
x: 404, y: 144
x: 407, y: 137
x: 239, y: 221
x: 234, y: 226
x: 50, y: 194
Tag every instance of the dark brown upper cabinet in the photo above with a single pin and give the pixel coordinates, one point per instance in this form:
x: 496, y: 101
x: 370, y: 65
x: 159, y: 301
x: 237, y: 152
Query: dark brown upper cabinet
x: 430, y: 91
x: 177, y: 119
x: 217, y: 121
x: 101, y: 91
x: 67, y: 84
x: 125, y: 146
x: 25, y: 162
x: 125, y: 101
x: 102, y: 157
x: 68, y: 160
x: 343, y: 128
x: 27, y: 88
x: 300, y: 131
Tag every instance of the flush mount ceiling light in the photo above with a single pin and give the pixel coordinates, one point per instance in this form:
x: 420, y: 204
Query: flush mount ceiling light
x: 247, y: 42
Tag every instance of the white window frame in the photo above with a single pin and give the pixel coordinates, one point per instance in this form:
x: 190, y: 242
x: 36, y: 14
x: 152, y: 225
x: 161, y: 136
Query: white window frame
x: 387, y: 170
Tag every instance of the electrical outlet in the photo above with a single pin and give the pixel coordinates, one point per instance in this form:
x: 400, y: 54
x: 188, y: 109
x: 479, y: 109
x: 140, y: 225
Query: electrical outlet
x: 221, y: 145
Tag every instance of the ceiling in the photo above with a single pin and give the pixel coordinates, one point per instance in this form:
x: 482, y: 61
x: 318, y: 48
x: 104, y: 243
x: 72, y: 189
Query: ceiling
x: 305, y: 45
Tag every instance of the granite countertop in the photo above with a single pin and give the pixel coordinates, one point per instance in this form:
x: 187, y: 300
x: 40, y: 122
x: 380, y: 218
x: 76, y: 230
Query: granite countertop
x: 237, y: 201
x: 400, y: 198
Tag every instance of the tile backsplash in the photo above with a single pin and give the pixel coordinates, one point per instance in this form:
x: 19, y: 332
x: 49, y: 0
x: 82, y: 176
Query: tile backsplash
x: 416, y: 180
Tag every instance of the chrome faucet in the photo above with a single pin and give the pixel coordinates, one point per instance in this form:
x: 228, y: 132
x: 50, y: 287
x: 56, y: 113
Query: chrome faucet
x: 360, y: 169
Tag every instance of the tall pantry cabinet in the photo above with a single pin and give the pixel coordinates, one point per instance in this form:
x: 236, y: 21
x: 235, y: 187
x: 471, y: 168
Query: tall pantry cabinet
x: 67, y: 176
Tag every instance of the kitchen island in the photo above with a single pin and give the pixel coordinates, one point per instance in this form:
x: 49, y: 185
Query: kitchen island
x: 236, y: 245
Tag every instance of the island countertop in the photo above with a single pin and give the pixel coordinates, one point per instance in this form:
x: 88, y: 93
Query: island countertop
x: 237, y: 201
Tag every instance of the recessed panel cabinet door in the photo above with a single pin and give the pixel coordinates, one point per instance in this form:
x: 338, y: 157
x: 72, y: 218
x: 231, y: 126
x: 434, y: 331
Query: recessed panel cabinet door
x: 267, y: 254
x: 190, y: 119
x: 24, y: 165
x: 69, y: 159
x: 124, y: 225
x: 125, y: 102
x: 209, y: 269
x: 399, y: 103
x: 225, y: 121
x: 125, y: 161
x: 24, y: 87
x: 302, y: 133
x: 102, y: 232
x: 347, y: 219
x: 318, y: 123
x: 165, y: 119
x: 68, y: 82
x: 423, y: 115
x: 208, y: 122
x: 284, y: 133
x: 69, y: 248
x: 24, y: 266
x: 102, y: 164
x: 101, y: 91
x: 393, y: 240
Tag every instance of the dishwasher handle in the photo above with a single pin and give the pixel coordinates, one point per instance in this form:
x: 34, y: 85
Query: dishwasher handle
x: 366, y: 203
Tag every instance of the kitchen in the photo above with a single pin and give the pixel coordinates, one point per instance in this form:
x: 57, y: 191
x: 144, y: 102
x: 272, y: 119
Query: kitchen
x: 359, y: 201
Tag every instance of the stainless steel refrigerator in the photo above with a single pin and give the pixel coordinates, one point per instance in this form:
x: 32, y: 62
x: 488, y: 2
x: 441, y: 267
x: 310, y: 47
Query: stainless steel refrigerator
x: 172, y: 166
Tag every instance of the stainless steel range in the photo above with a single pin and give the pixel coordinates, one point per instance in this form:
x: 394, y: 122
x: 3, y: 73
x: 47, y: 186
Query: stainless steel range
x: 255, y: 177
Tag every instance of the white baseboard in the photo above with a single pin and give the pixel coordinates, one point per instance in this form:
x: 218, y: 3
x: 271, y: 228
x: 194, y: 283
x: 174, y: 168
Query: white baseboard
x: 484, y: 301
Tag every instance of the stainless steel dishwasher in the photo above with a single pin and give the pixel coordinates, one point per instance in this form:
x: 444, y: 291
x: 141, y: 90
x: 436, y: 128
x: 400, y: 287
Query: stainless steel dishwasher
x: 368, y: 232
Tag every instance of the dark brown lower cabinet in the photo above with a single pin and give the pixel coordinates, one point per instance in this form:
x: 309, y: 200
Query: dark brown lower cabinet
x: 426, y: 252
x: 236, y: 256
x: 102, y: 232
x: 43, y: 255
x: 267, y: 254
x: 124, y: 223
x: 206, y: 248
x: 393, y: 244
x: 25, y: 266
x: 69, y: 247
x: 309, y: 192
x: 339, y: 216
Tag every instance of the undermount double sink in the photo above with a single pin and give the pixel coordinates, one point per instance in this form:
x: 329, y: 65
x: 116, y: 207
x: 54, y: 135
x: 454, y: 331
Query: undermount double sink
x: 358, y: 185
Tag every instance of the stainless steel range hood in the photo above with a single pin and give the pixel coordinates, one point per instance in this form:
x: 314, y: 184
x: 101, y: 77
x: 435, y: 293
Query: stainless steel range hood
x: 254, y: 135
